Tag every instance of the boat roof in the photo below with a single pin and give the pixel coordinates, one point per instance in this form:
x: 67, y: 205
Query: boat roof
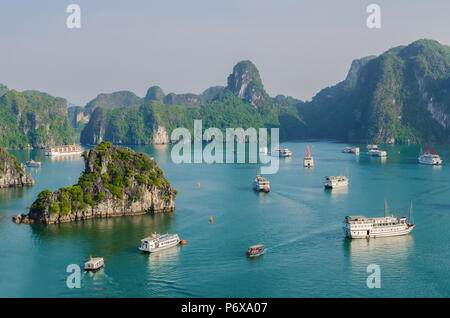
x: 158, y: 236
x: 355, y: 217
x: 255, y: 246
x: 95, y: 260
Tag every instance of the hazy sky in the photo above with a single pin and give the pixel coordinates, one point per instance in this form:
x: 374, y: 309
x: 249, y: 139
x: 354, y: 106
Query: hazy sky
x: 183, y: 46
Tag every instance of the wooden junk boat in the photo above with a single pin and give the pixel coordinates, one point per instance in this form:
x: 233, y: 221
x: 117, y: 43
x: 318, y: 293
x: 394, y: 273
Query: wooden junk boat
x: 255, y: 250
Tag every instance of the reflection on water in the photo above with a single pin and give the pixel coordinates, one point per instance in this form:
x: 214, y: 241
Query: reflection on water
x: 106, y: 236
x: 7, y: 194
x: 162, y: 153
x: 336, y: 191
x: 163, y: 258
x: 363, y: 251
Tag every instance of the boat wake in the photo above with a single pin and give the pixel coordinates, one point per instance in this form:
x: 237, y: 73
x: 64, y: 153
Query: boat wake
x: 304, y: 236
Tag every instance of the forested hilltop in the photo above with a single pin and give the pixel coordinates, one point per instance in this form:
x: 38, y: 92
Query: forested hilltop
x: 401, y: 96
x: 122, y: 118
x: 32, y: 119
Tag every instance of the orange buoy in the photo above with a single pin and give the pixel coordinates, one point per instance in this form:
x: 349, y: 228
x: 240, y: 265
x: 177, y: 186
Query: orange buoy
x: 183, y: 242
x: 211, y: 219
x: 198, y: 184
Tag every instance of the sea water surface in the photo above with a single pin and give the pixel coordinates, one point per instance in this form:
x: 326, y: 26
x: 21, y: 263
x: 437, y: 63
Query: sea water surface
x: 298, y: 221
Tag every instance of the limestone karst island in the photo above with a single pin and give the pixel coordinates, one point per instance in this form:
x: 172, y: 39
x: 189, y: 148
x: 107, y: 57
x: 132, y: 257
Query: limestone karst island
x: 116, y: 182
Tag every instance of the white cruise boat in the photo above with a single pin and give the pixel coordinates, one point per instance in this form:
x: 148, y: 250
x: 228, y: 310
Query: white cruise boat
x: 430, y: 159
x: 282, y: 152
x: 64, y: 150
x: 157, y: 242
x: 332, y: 182
x: 354, y: 150
x: 94, y: 263
x: 377, y: 153
x: 308, y: 161
x: 362, y: 227
x: 261, y: 184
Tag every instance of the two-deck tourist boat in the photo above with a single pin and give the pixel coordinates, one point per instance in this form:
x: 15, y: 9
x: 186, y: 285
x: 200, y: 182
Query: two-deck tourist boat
x: 33, y: 164
x: 282, y: 152
x: 64, y: 150
x: 94, y: 263
x: 255, y: 250
x: 333, y: 182
x: 430, y: 159
x: 362, y: 227
x: 308, y: 161
x: 157, y: 242
x: 377, y: 153
x: 354, y: 150
x: 261, y: 184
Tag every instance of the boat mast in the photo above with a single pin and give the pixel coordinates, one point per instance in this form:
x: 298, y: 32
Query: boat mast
x: 410, y: 212
x: 385, y: 208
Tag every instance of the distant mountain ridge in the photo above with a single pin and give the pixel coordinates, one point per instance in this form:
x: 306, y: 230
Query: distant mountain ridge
x: 401, y: 96
x: 152, y: 118
x: 32, y: 119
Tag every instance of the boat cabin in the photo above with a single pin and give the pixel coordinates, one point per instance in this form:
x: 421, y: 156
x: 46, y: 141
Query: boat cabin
x: 94, y: 263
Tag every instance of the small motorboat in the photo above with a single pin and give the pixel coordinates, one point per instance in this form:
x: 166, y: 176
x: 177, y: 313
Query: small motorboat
x: 255, y: 250
x: 94, y: 263
x: 32, y: 163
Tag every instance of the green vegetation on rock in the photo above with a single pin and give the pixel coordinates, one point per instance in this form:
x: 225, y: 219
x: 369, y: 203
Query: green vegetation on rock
x: 116, y: 180
x: 32, y: 119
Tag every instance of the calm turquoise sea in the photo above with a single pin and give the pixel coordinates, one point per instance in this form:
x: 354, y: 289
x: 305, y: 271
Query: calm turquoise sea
x: 298, y: 221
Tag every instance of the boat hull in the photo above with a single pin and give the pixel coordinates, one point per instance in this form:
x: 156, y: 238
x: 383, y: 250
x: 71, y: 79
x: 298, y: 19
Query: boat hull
x: 256, y: 255
x: 405, y: 231
x: 433, y: 163
x: 93, y: 269
x: 157, y: 249
x: 59, y: 154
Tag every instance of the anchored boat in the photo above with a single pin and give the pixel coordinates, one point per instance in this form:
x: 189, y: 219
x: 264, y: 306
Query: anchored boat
x: 157, y: 242
x: 64, y: 150
x: 281, y: 152
x: 255, y: 250
x: 377, y: 153
x: 33, y: 164
x: 362, y: 227
x: 308, y: 161
x: 430, y: 159
x: 261, y: 184
x: 332, y: 182
x: 354, y: 150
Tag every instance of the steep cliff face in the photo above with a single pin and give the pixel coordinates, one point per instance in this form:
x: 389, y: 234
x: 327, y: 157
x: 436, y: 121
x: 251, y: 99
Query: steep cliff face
x: 13, y: 173
x: 246, y: 83
x: 33, y: 119
x: 400, y: 96
x: 116, y: 182
x: 183, y: 99
x: 113, y: 100
x: 160, y: 136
